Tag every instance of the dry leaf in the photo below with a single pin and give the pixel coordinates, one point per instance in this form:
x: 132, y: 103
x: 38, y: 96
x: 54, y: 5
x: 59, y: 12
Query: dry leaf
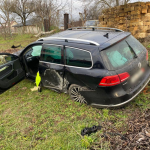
x: 134, y: 148
x: 34, y: 89
x: 142, y: 137
x: 147, y: 133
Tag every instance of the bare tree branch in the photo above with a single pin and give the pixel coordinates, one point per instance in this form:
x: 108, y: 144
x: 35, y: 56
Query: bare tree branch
x: 23, y: 9
x: 5, y: 17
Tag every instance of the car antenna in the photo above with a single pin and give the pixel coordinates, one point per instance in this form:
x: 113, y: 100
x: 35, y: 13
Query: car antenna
x: 106, y: 35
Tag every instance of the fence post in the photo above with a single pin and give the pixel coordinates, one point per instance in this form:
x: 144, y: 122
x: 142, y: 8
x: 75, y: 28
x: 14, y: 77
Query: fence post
x: 66, y: 21
x: 46, y: 25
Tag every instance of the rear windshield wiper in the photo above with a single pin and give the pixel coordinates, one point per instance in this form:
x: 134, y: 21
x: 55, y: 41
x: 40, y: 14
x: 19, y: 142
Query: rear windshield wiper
x: 135, y: 55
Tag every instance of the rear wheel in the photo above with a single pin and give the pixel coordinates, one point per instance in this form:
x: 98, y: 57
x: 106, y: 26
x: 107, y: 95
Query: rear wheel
x: 75, y: 95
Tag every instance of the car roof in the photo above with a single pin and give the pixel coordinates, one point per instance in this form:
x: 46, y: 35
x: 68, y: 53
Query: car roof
x: 96, y: 37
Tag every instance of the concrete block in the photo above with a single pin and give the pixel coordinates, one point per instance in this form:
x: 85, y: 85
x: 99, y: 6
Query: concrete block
x: 135, y: 12
x: 146, y: 23
x: 127, y: 9
x: 132, y: 8
x: 144, y: 10
x: 148, y: 3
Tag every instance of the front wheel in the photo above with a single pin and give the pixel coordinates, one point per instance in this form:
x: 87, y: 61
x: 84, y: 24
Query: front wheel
x: 75, y: 95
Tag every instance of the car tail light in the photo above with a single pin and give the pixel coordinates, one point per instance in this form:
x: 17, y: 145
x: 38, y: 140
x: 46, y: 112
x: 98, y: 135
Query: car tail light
x: 114, y: 80
x: 147, y: 55
x: 110, y: 81
x: 124, y: 76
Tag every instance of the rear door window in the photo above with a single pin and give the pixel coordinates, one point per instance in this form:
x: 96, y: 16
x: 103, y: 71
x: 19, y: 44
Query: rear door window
x: 78, y: 58
x: 52, y: 54
x: 118, y: 55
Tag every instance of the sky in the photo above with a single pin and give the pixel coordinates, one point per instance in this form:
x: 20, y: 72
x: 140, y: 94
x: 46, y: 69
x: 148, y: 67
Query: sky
x: 77, y: 6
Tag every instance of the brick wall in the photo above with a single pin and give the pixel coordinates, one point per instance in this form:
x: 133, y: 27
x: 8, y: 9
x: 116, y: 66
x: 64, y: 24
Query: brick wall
x: 133, y: 17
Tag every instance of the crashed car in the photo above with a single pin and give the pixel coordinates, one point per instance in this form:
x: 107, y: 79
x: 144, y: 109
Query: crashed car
x: 103, y: 67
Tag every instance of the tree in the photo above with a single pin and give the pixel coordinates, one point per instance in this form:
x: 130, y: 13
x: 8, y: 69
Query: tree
x: 93, y: 8
x: 5, y: 17
x: 49, y: 10
x: 23, y: 9
x: 106, y: 3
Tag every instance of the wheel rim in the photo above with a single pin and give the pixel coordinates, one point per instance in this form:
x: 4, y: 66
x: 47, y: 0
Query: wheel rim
x: 76, y: 96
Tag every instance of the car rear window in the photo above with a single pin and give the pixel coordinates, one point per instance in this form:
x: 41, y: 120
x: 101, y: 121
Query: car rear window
x: 79, y: 58
x: 135, y: 44
x: 118, y: 55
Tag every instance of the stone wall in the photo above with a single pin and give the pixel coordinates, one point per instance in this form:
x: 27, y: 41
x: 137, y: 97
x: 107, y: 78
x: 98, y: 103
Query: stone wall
x: 133, y: 17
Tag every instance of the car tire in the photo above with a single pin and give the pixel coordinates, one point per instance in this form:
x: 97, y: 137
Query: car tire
x: 75, y: 95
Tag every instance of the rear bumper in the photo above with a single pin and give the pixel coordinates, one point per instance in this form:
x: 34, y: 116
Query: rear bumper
x: 123, y: 103
x: 114, y: 96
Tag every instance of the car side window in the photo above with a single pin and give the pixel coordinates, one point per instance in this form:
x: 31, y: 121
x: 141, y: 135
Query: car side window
x: 6, y: 58
x: 34, y: 51
x: 78, y: 58
x: 51, y: 53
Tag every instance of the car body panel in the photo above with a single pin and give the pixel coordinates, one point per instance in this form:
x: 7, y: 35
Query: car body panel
x: 124, y: 99
x: 52, y: 75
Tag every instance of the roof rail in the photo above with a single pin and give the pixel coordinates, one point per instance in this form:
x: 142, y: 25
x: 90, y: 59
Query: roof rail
x: 69, y: 39
x: 93, y: 28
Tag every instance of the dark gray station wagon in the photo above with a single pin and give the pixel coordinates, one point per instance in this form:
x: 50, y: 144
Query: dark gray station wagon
x: 103, y: 67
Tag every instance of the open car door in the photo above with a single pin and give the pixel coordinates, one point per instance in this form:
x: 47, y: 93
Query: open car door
x: 11, y: 71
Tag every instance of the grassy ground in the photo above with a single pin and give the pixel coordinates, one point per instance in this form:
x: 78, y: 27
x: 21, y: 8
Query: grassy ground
x: 24, y: 40
x: 48, y: 120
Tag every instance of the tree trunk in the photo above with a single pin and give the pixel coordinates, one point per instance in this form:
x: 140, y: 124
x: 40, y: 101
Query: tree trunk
x: 9, y: 27
x: 117, y: 2
x: 24, y: 23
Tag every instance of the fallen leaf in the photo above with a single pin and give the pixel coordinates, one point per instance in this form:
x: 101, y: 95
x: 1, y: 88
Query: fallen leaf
x: 24, y: 88
x: 134, y: 148
x: 147, y: 133
x: 34, y: 89
x: 142, y: 137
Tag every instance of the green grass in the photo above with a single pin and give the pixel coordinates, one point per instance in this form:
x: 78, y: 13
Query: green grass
x: 23, y: 39
x: 48, y: 120
x: 45, y: 120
